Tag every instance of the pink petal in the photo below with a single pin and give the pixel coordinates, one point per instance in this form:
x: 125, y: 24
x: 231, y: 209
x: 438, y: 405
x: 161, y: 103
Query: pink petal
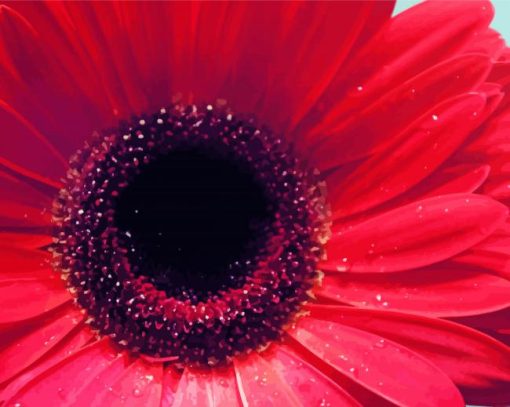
x: 194, y: 390
x: 309, y: 385
x: 444, y: 290
x: 224, y: 388
x: 170, y: 384
x: 18, y: 355
x: 478, y: 364
x: 365, y: 357
x: 414, y: 235
x: 208, y: 387
x: 98, y: 387
x: 136, y: 384
x: 260, y: 384
x: 62, y: 383
x: 71, y: 343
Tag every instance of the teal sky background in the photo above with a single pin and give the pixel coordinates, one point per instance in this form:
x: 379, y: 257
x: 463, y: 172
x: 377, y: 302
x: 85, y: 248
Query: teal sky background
x: 501, y: 20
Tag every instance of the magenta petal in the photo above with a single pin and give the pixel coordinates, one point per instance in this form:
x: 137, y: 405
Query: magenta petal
x: 477, y: 363
x: 382, y: 366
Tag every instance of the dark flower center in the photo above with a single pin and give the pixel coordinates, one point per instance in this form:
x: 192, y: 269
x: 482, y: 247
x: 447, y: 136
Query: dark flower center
x: 191, y: 216
x: 189, y: 235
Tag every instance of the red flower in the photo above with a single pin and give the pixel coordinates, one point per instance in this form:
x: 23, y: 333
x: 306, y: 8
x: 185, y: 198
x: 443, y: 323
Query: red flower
x: 406, y: 120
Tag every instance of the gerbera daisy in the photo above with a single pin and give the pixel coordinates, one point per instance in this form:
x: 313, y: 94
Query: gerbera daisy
x: 265, y: 204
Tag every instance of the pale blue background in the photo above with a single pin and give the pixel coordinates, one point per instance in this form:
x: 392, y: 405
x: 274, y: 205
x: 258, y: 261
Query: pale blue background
x: 501, y: 20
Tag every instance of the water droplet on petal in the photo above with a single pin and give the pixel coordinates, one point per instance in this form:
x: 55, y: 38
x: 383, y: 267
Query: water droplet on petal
x: 354, y: 371
x: 381, y: 343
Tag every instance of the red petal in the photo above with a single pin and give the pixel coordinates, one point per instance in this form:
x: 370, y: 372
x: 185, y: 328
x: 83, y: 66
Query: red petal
x: 22, y: 192
x: 22, y: 263
x: 478, y: 364
x: 414, y: 235
x: 493, y: 321
x: 21, y: 205
x: 499, y: 263
x: 29, y: 348
x: 61, y: 384
x: 309, y: 385
x: 420, y: 150
x: 490, y: 43
x: 464, y: 178
x: 211, y: 387
x: 444, y: 290
x: 15, y: 215
x: 26, y: 146
x: 239, y: 51
x: 411, y: 42
x: 500, y: 73
x: 261, y: 385
x: 304, y: 65
x: 366, y: 357
x: 285, y: 57
x: 21, y: 299
x: 24, y: 240
x: 371, y: 130
x: 51, y: 80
